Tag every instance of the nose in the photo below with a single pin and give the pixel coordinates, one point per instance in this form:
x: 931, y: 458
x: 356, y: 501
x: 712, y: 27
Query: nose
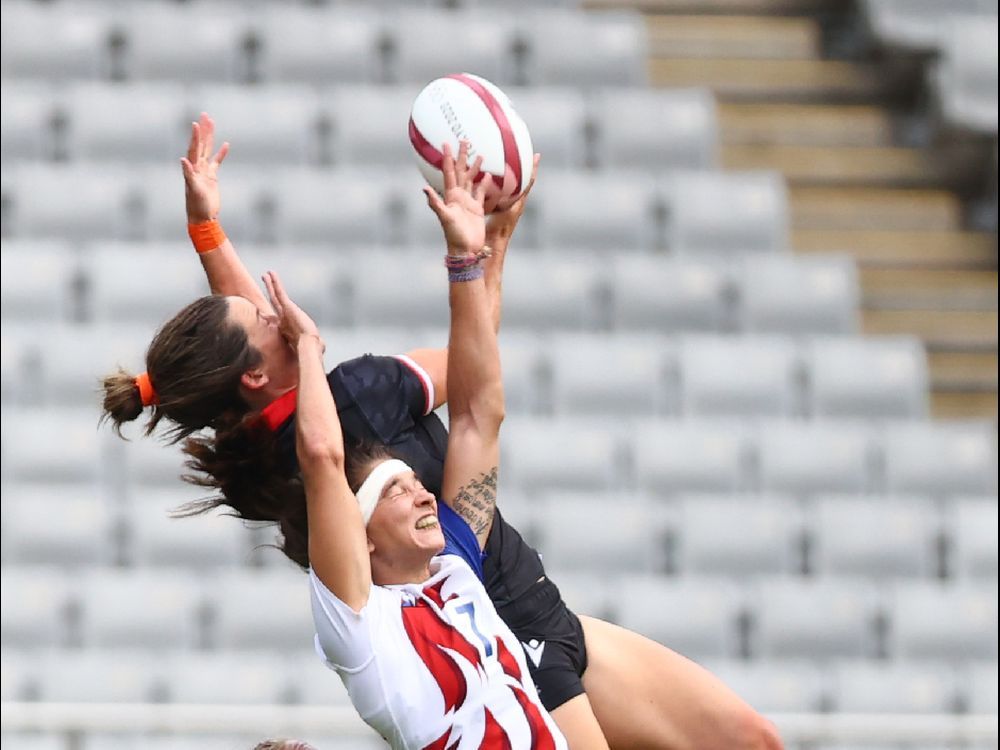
x: 424, y: 497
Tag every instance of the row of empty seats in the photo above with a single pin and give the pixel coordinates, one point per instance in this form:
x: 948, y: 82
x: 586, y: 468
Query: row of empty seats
x: 610, y: 375
x: 349, y: 124
x: 595, y: 454
x: 699, y: 534
x: 239, y: 42
x: 678, y: 210
x: 379, y: 288
x: 769, y: 617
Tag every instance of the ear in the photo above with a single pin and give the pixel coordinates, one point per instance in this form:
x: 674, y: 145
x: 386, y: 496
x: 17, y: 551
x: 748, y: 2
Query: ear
x: 254, y: 379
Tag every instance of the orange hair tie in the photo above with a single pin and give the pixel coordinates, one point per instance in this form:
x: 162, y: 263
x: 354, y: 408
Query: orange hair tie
x: 207, y: 235
x: 146, y: 391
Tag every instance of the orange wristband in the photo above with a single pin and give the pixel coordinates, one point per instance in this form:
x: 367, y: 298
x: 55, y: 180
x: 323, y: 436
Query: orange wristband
x: 207, y: 235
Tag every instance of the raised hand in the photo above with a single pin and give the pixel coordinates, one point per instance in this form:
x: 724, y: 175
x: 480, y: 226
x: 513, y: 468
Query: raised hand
x: 292, y: 320
x: 201, y: 170
x: 460, y: 211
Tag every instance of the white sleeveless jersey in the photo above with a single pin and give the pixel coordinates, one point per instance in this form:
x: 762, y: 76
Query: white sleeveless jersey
x: 431, y: 666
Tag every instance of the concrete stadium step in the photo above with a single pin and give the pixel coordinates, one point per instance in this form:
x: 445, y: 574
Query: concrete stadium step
x: 804, y: 125
x: 733, y: 36
x: 974, y: 371
x: 943, y: 289
x: 903, y: 248
x: 850, y: 165
x: 946, y: 404
x: 854, y: 208
x: 725, y: 7
x: 746, y: 79
x: 952, y: 330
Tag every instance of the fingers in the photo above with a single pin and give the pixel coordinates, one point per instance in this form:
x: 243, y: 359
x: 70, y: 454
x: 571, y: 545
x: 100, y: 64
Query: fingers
x: 223, y: 150
x: 434, y: 201
x: 448, y: 168
x: 208, y: 130
x: 534, y: 174
x: 474, y: 171
x: 462, y: 164
x: 194, y: 144
x: 187, y: 169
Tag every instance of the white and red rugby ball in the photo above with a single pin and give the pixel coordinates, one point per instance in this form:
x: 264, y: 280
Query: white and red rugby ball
x: 464, y: 106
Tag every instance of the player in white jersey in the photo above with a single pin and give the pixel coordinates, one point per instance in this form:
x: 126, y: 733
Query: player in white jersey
x: 405, y: 621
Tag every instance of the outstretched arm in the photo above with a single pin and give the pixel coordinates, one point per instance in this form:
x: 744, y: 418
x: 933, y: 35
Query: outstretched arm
x: 475, y: 392
x: 226, y: 273
x: 338, y: 545
x: 499, y: 228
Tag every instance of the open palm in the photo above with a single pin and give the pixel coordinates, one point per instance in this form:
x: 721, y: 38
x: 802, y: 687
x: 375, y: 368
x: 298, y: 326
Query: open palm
x: 460, y: 211
x: 201, y: 171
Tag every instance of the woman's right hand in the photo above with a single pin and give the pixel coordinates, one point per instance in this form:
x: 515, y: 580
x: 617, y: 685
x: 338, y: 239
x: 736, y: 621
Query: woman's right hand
x: 201, y: 172
x: 293, y: 322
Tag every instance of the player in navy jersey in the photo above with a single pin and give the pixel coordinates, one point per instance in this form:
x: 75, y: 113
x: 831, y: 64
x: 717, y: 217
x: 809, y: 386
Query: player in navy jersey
x: 642, y: 694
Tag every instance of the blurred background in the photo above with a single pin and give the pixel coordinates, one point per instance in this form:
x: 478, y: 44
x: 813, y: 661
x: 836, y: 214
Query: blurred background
x: 749, y: 342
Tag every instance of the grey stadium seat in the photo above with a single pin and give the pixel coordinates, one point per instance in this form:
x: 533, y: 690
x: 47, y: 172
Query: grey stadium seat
x: 118, y: 675
x: 277, y: 125
x: 36, y: 607
x: 550, y: 291
x: 318, y: 45
x: 79, y: 200
x: 919, y: 24
x: 669, y: 294
x: 931, y: 620
x: 562, y: 454
x: 941, y: 457
x: 399, y: 288
x: 737, y: 376
x: 27, y: 120
x: 697, y: 455
x: 610, y: 374
x: 524, y: 359
x: 140, y: 608
x: 590, y: 49
x: 604, y: 533
x: 586, y: 593
x: 148, y: 462
x: 121, y: 291
x: 737, y: 536
x: 37, y: 278
x: 310, y: 681
x: 76, y: 41
x: 803, y: 618
x: 30, y: 741
x: 480, y: 42
x: 261, y: 609
x: 220, y: 33
x: 58, y: 525
x: 333, y: 207
x: 972, y: 523
x: 874, y: 536
x: 229, y: 677
x: 556, y: 117
x: 369, y: 125
x: 775, y: 685
x: 821, y: 456
x: 967, y: 73
x: 755, y: 218
x: 697, y: 617
x: 201, y: 542
x: 871, y: 377
x: 603, y: 211
x: 127, y: 122
x: 894, y: 688
x: 981, y: 691
x: 788, y: 294
x: 656, y: 128
x: 53, y: 446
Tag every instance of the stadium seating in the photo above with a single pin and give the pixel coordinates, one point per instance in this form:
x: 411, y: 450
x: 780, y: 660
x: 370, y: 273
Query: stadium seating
x: 695, y: 455
x: 819, y: 456
x: 27, y: 120
x: 37, y: 280
x: 775, y: 685
x: 260, y: 609
x: 78, y: 43
x: 941, y: 458
x: 973, y: 534
x: 867, y: 687
x: 35, y: 612
x: 929, y: 620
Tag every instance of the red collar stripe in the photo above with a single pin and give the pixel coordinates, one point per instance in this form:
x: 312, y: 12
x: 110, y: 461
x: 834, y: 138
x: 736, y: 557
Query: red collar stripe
x: 278, y: 411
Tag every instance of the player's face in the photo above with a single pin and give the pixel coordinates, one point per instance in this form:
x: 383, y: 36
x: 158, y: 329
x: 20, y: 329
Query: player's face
x: 262, y: 333
x: 405, y: 522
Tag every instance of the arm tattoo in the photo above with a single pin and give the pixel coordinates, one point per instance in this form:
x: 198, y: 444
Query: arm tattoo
x: 476, y: 501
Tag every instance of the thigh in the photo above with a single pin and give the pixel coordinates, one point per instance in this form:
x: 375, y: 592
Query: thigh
x: 578, y: 724
x: 646, y: 696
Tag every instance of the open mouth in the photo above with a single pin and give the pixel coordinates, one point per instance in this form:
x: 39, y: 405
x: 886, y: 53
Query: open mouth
x: 427, y: 522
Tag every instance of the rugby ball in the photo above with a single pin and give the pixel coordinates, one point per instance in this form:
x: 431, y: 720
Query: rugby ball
x: 463, y: 106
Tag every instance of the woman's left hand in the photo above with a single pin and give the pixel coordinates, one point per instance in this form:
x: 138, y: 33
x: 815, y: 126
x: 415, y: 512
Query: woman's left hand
x: 461, y: 210
x: 292, y: 320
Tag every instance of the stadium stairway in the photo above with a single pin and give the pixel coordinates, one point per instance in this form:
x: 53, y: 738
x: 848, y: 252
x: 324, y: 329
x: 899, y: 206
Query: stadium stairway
x: 802, y: 90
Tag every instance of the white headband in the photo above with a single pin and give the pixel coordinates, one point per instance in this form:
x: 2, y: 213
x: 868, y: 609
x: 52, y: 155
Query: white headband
x: 371, y: 488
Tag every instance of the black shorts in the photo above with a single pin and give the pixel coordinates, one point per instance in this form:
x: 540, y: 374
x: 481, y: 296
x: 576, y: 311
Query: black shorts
x: 532, y: 607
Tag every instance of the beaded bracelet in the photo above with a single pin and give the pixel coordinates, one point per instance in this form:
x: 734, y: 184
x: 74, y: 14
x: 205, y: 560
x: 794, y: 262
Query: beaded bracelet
x: 467, y: 261
x: 465, y: 274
